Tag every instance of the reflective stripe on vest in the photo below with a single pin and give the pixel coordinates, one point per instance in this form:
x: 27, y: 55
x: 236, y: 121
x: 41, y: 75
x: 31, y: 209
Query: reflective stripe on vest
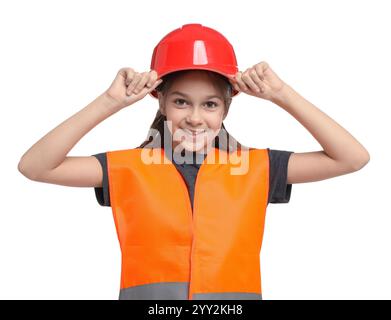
x: 170, y: 252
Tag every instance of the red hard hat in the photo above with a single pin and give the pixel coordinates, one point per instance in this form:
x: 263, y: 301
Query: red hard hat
x: 194, y: 46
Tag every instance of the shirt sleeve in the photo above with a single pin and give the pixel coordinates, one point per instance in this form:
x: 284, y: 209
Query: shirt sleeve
x: 279, y: 190
x: 102, y: 194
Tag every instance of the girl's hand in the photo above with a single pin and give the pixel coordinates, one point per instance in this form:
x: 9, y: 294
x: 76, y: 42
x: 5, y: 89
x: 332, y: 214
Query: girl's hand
x: 130, y: 86
x: 259, y: 81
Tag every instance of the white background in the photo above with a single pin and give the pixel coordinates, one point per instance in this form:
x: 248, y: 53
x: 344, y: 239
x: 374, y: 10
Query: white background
x: 331, y: 241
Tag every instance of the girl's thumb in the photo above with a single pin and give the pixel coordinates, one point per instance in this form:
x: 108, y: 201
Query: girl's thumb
x: 155, y: 85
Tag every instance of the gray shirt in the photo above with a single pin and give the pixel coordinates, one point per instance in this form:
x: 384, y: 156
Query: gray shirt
x: 279, y: 190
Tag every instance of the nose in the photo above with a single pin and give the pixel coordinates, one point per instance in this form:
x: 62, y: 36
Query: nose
x: 194, y: 117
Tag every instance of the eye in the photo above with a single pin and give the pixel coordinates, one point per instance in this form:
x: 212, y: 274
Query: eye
x: 210, y: 104
x: 180, y: 100
x: 214, y: 104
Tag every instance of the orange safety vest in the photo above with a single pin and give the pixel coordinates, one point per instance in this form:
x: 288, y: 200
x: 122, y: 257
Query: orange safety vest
x: 171, y: 252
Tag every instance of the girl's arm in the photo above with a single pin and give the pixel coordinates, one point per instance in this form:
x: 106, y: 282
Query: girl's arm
x: 46, y: 160
x: 341, y: 153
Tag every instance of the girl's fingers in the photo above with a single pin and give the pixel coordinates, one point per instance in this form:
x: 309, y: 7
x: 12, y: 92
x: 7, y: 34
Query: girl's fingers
x: 239, y: 82
x: 259, y: 68
x: 234, y: 83
x: 152, y: 78
x: 143, y: 80
x: 147, y: 80
x: 235, y: 86
x: 129, y: 74
x: 247, y: 78
x: 135, y: 80
x: 257, y: 80
x: 251, y: 80
x: 145, y: 90
x: 242, y: 85
x: 153, y: 86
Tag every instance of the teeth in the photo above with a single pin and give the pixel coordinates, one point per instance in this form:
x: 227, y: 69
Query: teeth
x: 194, y: 133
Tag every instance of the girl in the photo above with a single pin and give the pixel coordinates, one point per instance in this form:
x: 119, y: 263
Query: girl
x: 189, y: 225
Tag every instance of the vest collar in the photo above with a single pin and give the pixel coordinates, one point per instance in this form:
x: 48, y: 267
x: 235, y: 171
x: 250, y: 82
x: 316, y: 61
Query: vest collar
x: 184, y: 157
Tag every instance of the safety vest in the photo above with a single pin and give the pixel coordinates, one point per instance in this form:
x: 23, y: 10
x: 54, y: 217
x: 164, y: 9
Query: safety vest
x: 170, y: 251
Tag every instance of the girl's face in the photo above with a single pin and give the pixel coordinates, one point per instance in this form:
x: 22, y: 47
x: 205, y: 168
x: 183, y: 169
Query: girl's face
x: 195, y: 111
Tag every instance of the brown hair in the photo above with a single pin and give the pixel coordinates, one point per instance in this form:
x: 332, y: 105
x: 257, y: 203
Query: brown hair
x: 159, y: 123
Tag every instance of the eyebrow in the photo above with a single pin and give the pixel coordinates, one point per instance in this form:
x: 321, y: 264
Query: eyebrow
x: 185, y: 95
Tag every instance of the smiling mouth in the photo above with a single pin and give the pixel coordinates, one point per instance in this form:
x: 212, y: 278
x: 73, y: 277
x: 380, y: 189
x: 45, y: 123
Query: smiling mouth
x: 194, y: 133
